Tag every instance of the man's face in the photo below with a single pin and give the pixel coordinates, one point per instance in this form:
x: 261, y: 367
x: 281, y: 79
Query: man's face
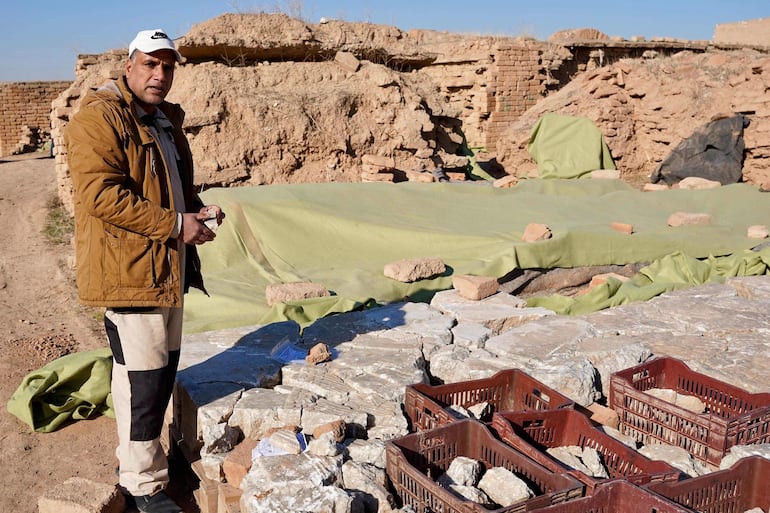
x: 150, y: 75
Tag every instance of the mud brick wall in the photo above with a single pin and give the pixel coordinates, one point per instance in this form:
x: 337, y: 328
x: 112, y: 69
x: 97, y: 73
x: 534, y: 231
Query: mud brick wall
x: 25, y: 103
x: 516, y: 84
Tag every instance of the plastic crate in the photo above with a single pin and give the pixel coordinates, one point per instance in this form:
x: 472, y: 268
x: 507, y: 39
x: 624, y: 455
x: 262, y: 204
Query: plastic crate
x: 618, y: 497
x: 533, y: 432
x: 426, y: 406
x: 742, y: 487
x: 733, y: 416
x: 415, y: 461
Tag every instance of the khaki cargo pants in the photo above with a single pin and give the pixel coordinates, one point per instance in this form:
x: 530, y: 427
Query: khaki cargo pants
x: 145, y: 345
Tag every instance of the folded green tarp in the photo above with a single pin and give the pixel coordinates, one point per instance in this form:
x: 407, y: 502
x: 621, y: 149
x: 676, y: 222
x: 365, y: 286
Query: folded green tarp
x: 341, y: 235
x: 73, y: 387
x: 568, y: 147
x: 672, y: 272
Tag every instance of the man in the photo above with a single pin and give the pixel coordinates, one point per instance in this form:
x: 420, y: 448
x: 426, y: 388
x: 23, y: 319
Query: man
x: 138, y: 220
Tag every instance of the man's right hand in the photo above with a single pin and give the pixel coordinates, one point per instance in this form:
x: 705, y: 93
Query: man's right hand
x: 194, y: 231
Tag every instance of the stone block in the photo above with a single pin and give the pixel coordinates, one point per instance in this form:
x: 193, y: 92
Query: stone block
x: 757, y: 231
x: 348, y: 61
x: 684, y: 218
x: 238, y: 462
x: 281, y: 292
x: 475, y: 287
x: 605, y: 174
x: 78, y: 495
x: 413, y: 269
x: 698, y: 183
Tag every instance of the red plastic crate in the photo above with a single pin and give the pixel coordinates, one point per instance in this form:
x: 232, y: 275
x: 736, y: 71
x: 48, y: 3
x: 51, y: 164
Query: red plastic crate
x: 742, y: 487
x: 733, y: 416
x: 533, y: 432
x: 618, y: 497
x: 508, y: 390
x: 415, y: 461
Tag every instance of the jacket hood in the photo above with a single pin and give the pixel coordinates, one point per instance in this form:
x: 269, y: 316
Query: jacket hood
x: 118, y: 91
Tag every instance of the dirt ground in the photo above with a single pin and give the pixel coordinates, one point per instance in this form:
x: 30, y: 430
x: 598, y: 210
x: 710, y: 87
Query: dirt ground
x: 41, y: 320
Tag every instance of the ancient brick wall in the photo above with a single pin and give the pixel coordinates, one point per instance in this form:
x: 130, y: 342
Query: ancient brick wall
x: 751, y: 32
x: 517, y: 82
x: 25, y: 104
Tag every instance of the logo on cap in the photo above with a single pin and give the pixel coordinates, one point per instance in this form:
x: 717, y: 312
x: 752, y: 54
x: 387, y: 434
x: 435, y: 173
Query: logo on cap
x: 159, y: 35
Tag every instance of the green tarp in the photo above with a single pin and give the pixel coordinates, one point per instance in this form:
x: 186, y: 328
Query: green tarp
x: 568, y: 147
x: 73, y: 387
x: 341, y: 235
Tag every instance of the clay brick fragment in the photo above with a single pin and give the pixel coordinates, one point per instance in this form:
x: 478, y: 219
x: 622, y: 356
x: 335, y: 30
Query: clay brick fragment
x: 623, y: 228
x: 413, y: 269
x: 535, y: 232
x: 475, y: 287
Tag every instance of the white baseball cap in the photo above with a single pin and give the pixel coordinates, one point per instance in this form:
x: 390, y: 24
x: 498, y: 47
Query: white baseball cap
x: 148, y: 41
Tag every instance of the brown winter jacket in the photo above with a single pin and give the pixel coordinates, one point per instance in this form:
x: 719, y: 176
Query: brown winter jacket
x: 124, y: 212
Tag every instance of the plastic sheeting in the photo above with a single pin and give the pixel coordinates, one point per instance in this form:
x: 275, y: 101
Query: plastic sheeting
x: 73, y: 387
x: 341, y: 235
x: 568, y: 147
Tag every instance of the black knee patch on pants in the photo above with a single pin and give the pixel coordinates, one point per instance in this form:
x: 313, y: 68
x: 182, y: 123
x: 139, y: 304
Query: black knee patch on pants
x: 114, y: 339
x: 150, y: 393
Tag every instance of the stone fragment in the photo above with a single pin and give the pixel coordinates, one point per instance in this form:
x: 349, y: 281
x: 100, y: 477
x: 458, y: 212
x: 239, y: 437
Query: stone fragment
x: 758, y: 231
x: 535, y: 232
x: 348, y: 61
x: 593, y: 462
x: 470, y: 493
x: 623, y: 227
x: 470, y: 334
x: 697, y: 183
x: 603, y: 415
x: 456, y: 176
x: 336, y: 428
x: 377, y: 177
x: 78, y: 495
x: 737, y: 452
x: 371, y: 480
x: 688, y: 402
x: 260, y: 411
x: 281, y: 292
x: 504, y: 487
x: 464, y: 471
x: 286, y: 441
x: 676, y: 457
x: 238, y: 462
x: 324, y: 445
x: 413, y: 269
x: 650, y: 187
x: 570, y: 457
x: 368, y: 451
x: 475, y: 287
x: 419, y: 176
x: 605, y: 174
x: 506, y: 182
x: 318, y: 353
x: 499, y: 312
x: 379, y: 162
x: 685, y: 218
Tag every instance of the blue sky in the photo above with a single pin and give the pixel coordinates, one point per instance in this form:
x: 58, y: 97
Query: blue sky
x: 41, y: 40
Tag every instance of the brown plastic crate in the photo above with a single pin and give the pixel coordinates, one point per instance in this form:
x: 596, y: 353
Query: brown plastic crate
x: 733, y: 417
x: 618, y: 497
x: 533, y: 432
x: 415, y: 461
x: 742, y: 487
x: 508, y: 390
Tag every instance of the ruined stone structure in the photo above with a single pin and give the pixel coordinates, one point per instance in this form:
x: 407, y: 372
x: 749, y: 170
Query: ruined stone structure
x: 25, y: 104
x: 271, y: 99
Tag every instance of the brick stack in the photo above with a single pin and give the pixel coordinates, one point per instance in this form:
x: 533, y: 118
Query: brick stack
x: 25, y: 104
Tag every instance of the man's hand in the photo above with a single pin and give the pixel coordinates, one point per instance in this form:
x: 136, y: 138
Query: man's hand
x: 194, y: 231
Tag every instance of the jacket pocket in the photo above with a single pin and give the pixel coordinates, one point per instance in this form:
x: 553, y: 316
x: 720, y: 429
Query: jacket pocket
x: 133, y: 262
